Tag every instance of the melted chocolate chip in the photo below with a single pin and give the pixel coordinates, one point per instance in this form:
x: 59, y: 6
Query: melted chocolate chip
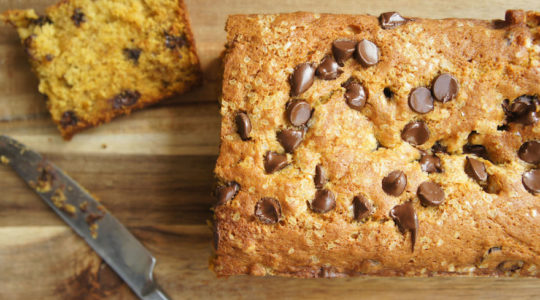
x: 530, y: 152
x: 268, y: 210
x: 430, y: 194
x: 69, y: 118
x: 394, y: 183
x: 343, y: 50
x: 274, y: 162
x: 41, y: 20
x: 531, y: 181
x: 420, y: 100
x: 298, y: 112
x: 324, y: 201
x: 361, y: 207
x: 510, y: 265
x: 243, y: 125
x: 355, y: 95
x: 290, y: 139
x: 328, y: 69
x: 132, y: 54
x: 367, y: 53
x: 430, y: 163
x: 415, y: 133
x: 477, y: 150
x: 391, y: 19
x: 78, y: 17
x: 226, y: 193
x: 445, y: 87
x: 320, y: 177
x: 405, y: 217
x: 302, y: 78
x: 174, y: 41
x: 476, y: 170
x: 125, y: 99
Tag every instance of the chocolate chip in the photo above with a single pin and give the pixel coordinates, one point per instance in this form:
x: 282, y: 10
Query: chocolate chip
x: 361, y: 207
x: 274, y: 162
x: 328, y: 69
x: 226, y: 193
x: 430, y: 194
x: 367, y: 53
x: 415, y: 133
x: 476, y: 170
x: 268, y: 210
x: 531, y: 181
x: 243, y: 125
x: 290, y: 139
x: 125, y: 99
x: 477, y: 150
x: 522, y: 110
x: 69, y: 118
x: 394, y: 183
x: 510, y: 265
x: 343, y: 50
x: 391, y: 19
x: 320, y: 177
x: 420, y: 100
x: 405, y: 217
x: 49, y: 57
x: 302, y: 78
x: 298, y: 112
x: 174, y: 41
x: 78, y: 17
x: 514, y: 17
x: 430, y: 163
x: 41, y: 20
x: 132, y: 53
x: 445, y: 87
x: 438, y: 147
x: 324, y: 201
x: 388, y: 93
x: 530, y: 152
x: 355, y: 95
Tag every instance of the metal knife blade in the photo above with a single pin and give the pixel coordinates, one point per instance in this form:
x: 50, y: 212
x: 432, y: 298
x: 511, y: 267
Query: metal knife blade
x: 86, y: 216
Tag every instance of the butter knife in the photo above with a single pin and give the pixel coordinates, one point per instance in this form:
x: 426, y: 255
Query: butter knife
x: 86, y: 216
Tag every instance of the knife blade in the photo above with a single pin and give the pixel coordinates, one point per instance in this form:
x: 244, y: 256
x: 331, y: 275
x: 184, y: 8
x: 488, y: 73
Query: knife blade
x: 86, y: 216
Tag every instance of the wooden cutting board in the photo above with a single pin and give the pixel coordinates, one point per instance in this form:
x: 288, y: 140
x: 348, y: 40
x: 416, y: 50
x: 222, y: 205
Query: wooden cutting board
x: 153, y: 171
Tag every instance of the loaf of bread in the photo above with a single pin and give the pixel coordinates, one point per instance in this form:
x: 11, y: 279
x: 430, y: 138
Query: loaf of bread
x: 387, y: 145
x: 96, y: 60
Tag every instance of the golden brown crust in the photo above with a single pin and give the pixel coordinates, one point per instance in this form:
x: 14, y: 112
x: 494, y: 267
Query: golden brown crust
x: 491, y: 60
x: 116, y: 58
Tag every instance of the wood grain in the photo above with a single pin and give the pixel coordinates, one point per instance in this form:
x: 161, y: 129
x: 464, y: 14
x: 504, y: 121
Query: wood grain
x: 153, y: 170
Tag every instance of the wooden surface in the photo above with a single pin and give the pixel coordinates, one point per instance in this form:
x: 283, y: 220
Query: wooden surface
x: 153, y: 170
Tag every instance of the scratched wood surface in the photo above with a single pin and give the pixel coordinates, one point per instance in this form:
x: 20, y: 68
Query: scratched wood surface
x: 153, y: 170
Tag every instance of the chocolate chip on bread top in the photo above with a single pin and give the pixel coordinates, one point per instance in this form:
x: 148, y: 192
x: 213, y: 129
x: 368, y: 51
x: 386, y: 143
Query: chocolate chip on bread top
x: 384, y: 146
